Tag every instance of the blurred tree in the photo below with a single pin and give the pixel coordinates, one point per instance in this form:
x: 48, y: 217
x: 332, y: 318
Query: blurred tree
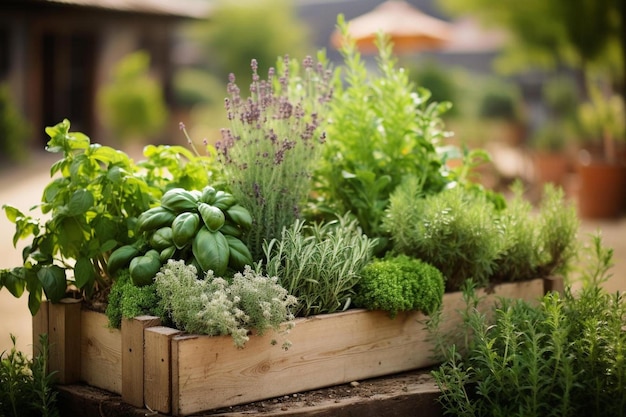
x: 132, y: 104
x: 580, y: 33
x: 14, y: 129
x: 239, y: 31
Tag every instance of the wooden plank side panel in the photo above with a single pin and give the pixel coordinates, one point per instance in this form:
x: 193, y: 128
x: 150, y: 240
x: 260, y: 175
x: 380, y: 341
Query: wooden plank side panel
x: 133, y: 357
x: 64, y: 335
x: 101, y: 346
x: 157, y: 368
x: 326, y: 350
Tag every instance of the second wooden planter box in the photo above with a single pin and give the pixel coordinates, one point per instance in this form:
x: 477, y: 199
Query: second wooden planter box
x: 167, y: 371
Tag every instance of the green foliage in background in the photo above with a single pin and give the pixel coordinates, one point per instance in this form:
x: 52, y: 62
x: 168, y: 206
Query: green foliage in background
x: 561, y: 357
x: 132, y: 103
x: 547, y: 33
x: 438, y: 80
x: 14, y: 129
x: 400, y: 283
x: 240, y: 31
x: 26, y: 386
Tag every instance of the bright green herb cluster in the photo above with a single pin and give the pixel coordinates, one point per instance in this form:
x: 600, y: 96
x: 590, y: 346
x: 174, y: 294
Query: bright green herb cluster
x: 214, y: 306
x: 380, y: 129
x: 465, y: 235
x: 563, y: 357
x: 273, y: 143
x: 26, y: 387
x: 398, y: 284
x: 127, y: 300
x: 320, y: 263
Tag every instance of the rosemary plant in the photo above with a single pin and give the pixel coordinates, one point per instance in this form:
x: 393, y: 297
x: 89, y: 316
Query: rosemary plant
x: 561, y: 357
x: 273, y: 143
x: 26, y: 386
x: 320, y: 264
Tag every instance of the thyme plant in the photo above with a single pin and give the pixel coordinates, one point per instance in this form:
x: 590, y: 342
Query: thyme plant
x: 561, y: 357
x: 320, y: 263
x: 273, y: 143
x: 214, y: 306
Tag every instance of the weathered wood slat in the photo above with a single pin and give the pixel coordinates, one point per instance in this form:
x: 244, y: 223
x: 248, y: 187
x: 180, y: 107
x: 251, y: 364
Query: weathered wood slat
x: 101, y: 347
x: 210, y: 372
x: 158, y: 368
x: 133, y: 357
x: 64, y: 336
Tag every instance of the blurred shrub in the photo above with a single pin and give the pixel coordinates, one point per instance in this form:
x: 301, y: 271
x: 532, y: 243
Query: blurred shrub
x: 132, y: 104
x: 499, y: 101
x: 194, y: 87
x: 14, y: 129
x: 439, y: 81
x: 240, y: 31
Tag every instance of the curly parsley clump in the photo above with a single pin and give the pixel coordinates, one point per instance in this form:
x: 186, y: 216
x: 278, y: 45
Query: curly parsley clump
x: 126, y: 300
x: 400, y: 283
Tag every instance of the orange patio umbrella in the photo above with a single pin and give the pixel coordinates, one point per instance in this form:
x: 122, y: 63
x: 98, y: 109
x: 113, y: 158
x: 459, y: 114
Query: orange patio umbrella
x: 409, y: 29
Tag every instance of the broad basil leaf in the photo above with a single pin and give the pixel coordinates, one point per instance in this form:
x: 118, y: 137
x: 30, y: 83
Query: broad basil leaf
x: 80, y: 202
x: 84, y: 273
x: 53, y: 281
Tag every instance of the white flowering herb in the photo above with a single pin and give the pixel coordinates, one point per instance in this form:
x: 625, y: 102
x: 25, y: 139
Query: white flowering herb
x: 214, y: 306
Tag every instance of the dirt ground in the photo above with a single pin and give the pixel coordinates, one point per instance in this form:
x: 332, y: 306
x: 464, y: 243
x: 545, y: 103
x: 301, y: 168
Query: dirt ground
x: 22, y: 187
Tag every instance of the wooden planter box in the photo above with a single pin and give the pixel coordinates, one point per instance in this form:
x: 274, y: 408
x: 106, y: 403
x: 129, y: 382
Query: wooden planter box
x: 167, y: 371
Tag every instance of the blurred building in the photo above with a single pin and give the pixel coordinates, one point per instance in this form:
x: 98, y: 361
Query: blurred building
x: 55, y: 54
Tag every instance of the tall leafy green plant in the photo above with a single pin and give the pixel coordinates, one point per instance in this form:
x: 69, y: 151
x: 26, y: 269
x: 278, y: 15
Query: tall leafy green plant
x: 380, y: 130
x: 273, y: 144
x: 93, y: 202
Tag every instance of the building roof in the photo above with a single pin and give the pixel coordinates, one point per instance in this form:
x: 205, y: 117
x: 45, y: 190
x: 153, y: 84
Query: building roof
x: 175, y: 8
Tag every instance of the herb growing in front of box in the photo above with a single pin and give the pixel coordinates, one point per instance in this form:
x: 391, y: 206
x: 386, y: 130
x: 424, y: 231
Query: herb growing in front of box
x: 26, y: 386
x: 562, y: 357
x: 320, y: 263
x: 400, y: 283
x: 273, y: 143
x: 214, y: 306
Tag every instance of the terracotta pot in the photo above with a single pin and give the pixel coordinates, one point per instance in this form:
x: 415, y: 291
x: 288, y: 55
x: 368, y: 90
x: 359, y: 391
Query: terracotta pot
x: 602, y: 191
x: 551, y: 167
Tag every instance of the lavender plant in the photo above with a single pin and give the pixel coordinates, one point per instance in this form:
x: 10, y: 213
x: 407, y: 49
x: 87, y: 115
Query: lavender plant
x: 273, y: 143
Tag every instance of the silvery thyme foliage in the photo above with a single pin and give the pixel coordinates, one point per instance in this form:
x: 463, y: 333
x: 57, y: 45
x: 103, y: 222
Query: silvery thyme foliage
x: 214, y: 306
x: 273, y: 142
